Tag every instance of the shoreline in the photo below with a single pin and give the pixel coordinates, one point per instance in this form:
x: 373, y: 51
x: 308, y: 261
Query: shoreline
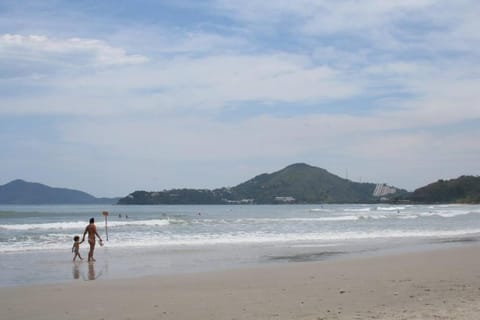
x: 55, y: 267
x: 434, y: 284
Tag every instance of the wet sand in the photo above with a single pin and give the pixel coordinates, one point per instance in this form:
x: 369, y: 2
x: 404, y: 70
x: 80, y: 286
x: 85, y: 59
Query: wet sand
x: 436, y: 284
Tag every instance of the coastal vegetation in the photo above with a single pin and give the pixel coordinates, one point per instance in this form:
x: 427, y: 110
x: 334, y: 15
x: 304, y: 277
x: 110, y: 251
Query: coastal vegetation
x: 465, y: 189
x: 297, y: 183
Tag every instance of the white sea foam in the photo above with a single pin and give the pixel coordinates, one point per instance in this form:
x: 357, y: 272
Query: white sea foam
x: 407, y: 216
x: 242, y: 225
x: 373, y: 217
x: 451, y: 214
x: 59, y: 241
x: 80, y: 225
x: 289, y: 220
x: 45, y: 226
x: 357, y: 209
x: 320, y: 219
x: 320, y: 210
x: 259, y: 237
x: 390, y: 208
x: 340, y: 218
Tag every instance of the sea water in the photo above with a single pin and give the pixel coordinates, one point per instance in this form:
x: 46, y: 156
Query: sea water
x: 36, y: 241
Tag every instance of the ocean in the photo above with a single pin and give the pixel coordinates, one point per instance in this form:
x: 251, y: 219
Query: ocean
x: 36, y: 241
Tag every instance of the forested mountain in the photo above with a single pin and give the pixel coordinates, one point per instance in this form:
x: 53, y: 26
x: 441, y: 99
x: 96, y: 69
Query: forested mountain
x: 465, y: 189
x: 297, y: 183
x: 23, y: 192
x: 307, y: 184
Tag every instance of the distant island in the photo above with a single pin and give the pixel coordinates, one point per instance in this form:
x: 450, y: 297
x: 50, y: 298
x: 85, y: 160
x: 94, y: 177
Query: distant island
x: 298, y: 183
x: 23, y: 192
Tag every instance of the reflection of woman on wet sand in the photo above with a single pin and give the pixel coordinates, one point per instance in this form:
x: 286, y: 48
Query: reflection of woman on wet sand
x: 91, y: 229
x: 91, y: 272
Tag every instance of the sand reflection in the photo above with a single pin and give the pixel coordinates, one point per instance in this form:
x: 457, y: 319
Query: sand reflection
x: 91, y: 273
x: 76, y: 271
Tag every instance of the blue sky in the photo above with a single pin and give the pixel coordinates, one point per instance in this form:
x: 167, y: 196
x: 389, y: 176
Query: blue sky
x: 115, y: 96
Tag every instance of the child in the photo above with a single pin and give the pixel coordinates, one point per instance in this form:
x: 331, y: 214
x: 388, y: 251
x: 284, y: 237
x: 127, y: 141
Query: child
x: 76, y: 247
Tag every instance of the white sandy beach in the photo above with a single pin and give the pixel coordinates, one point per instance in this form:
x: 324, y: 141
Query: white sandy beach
x: 438, y: 284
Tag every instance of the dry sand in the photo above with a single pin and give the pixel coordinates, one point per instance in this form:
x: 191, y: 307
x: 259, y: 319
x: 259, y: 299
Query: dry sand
x: 438, y: 284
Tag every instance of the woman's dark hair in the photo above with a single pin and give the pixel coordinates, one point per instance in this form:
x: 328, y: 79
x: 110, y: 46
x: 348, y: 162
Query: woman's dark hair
x: 92, y: 220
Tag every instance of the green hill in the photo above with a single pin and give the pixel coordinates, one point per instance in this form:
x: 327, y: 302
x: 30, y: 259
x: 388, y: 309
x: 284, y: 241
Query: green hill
x: 297, y: 183
x: 176, y: 196
x: 465, y: 189
x: 306, y: 184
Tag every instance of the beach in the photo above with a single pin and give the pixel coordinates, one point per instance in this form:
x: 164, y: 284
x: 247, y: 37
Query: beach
x: 428, y: 284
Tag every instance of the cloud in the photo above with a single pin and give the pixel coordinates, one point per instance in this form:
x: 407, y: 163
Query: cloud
x: 196, y: 43
x: 323, y: 17
x: 354, y: 17
x: 34, y: 52
x: 370, y: 146
x: 383, y: 29
x: 205, y: 83
x: 246, y: 87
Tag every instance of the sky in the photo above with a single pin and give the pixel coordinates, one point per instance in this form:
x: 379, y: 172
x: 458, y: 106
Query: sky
x: 109, y: 97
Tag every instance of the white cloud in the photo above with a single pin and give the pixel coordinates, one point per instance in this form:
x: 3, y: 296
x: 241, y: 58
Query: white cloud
x: 323, y: 16
x: 194, y: 43
x: 375, y: 26
x: 359, y: 17
x: 91, y: 52
x: 205, y: 83
x: 370, y: 146
x: 409, y: 65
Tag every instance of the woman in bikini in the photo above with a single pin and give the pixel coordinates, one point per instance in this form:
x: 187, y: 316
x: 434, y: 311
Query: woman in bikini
x: 91, y: 229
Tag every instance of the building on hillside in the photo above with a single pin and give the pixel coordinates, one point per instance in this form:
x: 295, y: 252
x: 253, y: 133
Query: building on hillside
x: 382, y: 189
x: 285, y: 199
x: 242, y: 201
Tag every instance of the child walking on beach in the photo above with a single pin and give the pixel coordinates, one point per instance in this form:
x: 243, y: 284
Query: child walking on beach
x: 76, y: 247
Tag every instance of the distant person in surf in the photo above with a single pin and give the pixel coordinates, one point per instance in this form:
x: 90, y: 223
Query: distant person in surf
x: 91, y: 229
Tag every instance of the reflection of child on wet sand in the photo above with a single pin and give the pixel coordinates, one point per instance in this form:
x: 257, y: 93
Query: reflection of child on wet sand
x: 76, y: 247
